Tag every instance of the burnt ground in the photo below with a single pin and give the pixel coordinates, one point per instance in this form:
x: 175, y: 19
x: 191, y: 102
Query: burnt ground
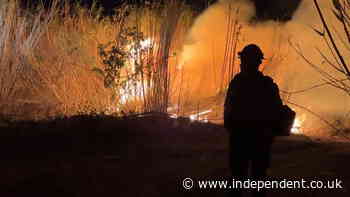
x: 148, y: 156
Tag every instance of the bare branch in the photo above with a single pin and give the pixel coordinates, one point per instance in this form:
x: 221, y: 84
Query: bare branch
x: 311, y: 88
x: 332, y: 39
x: 329, y: 62
x: 337, y: 130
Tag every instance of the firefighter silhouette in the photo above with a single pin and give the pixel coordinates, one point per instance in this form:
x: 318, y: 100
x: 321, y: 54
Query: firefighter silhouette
x: 250, y: 115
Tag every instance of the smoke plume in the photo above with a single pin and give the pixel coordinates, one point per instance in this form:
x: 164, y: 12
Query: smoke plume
x: 203, y: 55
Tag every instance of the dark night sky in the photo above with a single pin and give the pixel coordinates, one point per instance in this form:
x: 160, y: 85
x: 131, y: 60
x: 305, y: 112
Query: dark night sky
x: 276, y: 9
x: 266, y: 9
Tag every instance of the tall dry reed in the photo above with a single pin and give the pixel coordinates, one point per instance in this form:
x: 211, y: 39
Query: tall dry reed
x: 47, y: 58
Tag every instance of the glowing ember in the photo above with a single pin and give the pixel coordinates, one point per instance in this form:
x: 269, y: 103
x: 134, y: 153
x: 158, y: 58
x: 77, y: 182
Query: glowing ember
x: 197, y: 115
x: 173, y: 116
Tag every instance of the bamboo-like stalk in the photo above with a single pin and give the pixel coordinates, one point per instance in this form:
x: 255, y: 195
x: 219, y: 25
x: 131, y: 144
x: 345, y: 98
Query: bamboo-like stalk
x: 40, y: 56
x: 229, y: 68
x: 345, y: 66
x: 51, y: 53
x: 159, y: 24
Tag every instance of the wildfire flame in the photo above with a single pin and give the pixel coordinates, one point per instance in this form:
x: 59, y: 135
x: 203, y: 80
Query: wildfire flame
x: 137, y: 87
x: 134, y: 89
x: 131, y: 91
x: 145, y: 44
x: 200, y: 116
x: 297, y: 125
x: 197, y: 116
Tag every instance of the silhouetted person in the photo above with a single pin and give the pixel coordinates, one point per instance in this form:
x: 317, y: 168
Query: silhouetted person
x: 251, y: 111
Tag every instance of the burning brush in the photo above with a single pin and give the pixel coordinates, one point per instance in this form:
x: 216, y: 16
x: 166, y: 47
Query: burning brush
x: 202, y: 116
x: 297, y: 125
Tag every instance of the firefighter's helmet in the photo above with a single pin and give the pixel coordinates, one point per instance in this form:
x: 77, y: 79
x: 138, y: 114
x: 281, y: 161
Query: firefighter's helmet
x: 251, y: 51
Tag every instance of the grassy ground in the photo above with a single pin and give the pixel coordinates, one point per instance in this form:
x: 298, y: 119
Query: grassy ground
x: 148, y: 156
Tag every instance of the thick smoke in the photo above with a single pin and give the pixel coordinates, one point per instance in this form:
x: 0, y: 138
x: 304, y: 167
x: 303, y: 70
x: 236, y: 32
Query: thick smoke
x: 203, y: 55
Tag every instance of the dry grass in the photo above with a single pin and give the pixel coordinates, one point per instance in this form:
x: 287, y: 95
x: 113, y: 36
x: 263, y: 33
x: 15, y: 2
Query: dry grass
x: 153, y: 36
x: 47, y: 58
x: 46, y: 61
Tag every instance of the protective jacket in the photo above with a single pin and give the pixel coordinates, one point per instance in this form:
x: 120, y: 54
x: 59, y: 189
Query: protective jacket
x: 252, y: 103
